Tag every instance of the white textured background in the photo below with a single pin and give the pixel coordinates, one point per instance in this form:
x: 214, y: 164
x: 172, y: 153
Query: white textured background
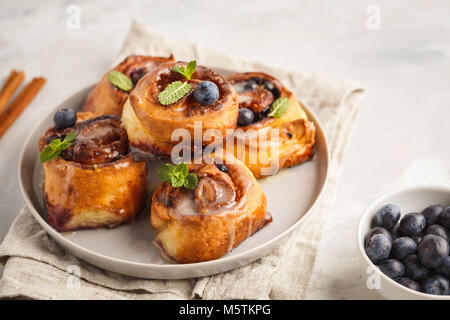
x: 403, y: 132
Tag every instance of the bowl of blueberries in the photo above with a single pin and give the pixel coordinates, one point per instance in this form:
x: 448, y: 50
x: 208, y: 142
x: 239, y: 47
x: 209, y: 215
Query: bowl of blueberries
x: 404, y: 236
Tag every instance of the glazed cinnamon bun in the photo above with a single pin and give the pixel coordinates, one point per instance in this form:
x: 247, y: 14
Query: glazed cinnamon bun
x: 294, y: 139
x: 226, y: 207
x: 150, y: 124
x: 94, y: 182
x: 105, y: 98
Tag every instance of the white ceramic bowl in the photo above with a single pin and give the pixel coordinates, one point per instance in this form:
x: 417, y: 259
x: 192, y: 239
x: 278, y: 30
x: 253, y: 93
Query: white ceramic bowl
x: 413, y: 199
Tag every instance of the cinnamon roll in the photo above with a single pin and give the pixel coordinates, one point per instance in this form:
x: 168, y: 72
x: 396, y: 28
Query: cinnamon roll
x: 263, y: 150
x: 94, y: 182
x: 108, y: 99
x: 226, y: 207
x: 150, y: 124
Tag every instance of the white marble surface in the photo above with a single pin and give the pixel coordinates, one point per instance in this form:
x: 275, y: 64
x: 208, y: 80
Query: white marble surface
x: 402, y: 133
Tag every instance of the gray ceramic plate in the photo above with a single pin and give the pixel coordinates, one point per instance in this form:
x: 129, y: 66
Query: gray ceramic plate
x: 128, y: 249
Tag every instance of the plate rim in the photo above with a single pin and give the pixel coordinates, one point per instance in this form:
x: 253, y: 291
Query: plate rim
x: 67, y: 243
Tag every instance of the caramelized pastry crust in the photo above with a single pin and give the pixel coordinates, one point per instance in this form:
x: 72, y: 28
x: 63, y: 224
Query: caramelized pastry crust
x: 150, y: 124
x: 294, y: 143
x: 95, y: 182
x: 106, y: 98
x: 227, y: 206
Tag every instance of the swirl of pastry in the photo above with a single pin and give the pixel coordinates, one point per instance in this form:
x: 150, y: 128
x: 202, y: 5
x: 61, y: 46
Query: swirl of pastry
x: 108, y: 99
x: 227, y: 206
x: 150, y: 124
x: 95, y: 182
x: 296, y: 134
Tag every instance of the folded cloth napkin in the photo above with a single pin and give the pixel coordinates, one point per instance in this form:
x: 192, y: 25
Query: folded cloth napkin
x: 35, y: 267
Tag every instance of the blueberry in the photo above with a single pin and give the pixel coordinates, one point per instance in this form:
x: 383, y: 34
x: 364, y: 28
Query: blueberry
x: 432, y: 250
x: 445, y: 217
x: 387, y: 216
x: 269, y: 85
x: 412, y: 224
x: 396, y: 232
x: 65, y: 118
x: 414, y: 269
x: 402, y: 247
x: 222, y: 167
x: 374, y: 231
x: 409, y: 283
x: 378, y: 248
x: 251, y: 84
x: 444, y: 268
x: 432, y: 213
x: 258, y: 81
x: 206, y: 93
x: 246, y: 117
x: 437, y: 230
x: 417, y: 239
x: 394, y: 269
x: 265, y: 112
x: 137, y: 74
x: 169, y: 203
x: 437, y: 285
x: 276, y: 93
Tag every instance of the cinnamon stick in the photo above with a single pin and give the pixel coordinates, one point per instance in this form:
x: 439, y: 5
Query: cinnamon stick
x: 10, y: 86
x: 19, y: 104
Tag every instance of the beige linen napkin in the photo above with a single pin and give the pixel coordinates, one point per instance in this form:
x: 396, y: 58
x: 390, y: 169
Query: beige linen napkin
x: 35, y: 267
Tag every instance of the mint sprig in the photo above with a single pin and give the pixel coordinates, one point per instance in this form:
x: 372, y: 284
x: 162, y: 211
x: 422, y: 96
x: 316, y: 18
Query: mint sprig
x: 174, y: 92
x: 178, y: 176
x: 188, y: 71
x: 190, y: 181
x: 120, y: 80
x: 177, y: 89
x: 56, y: 146
x: 279, y: 107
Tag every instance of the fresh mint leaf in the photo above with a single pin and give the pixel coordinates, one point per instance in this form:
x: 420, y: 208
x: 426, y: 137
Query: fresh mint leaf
x: 180, y: 69
x: 55, y: 147
x: 190, y: 69
x: 55, y: 144
x: 177, y: 181
x: 187, y: 71
x: 182, y: 169
x: 174, y: 92
x: 177, y: 176
x: 165, y: 172
x: 48, y: 153
x: 71, y: 136
x: 279, y: 107
x: 120, y: 80
x: 64, y: 145
x: 191, y: 181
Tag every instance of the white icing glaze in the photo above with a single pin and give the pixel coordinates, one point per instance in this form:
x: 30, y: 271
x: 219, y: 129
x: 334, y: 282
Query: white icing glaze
x: 186, y: 207
x: 244, y: 98
x: 88, y: 136
x: 239, y: 87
